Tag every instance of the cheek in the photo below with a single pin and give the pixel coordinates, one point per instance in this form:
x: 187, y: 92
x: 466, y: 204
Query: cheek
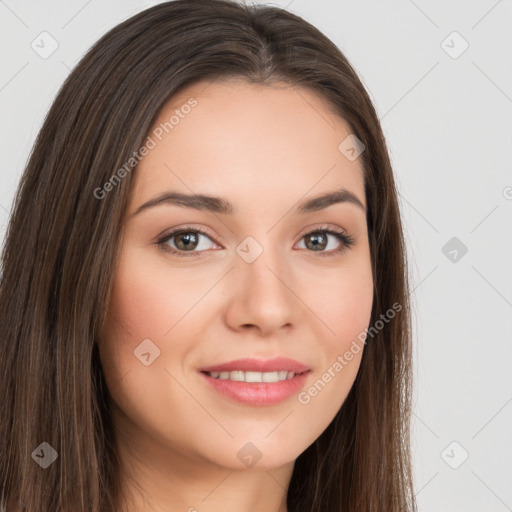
x: 342, y: 300
x: 146, y: 300
x: 350, y: 312
x: 140, y: 308
x: 143, y: 306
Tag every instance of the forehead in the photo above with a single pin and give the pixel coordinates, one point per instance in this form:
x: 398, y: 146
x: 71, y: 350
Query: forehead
x: 248, y: 141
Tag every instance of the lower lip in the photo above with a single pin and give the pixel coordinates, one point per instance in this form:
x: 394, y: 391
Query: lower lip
x: 258, y: 393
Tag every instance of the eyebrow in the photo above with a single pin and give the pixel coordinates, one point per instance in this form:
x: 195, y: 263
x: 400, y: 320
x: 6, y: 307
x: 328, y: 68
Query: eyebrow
x: 220, y: 205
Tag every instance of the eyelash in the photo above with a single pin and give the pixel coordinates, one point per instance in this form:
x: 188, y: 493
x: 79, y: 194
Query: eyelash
x: 346, y: 240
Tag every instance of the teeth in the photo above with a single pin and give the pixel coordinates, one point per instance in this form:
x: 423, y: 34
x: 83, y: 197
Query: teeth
x: 266, y: 377
x: 239, y: 375
x: 235, y: 375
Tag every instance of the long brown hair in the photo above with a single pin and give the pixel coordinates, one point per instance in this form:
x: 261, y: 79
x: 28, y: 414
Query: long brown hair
x: 62, y: 245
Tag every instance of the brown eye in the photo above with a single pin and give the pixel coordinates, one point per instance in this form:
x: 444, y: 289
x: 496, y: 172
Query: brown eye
x: 317, y: 241
x: 185, y: 242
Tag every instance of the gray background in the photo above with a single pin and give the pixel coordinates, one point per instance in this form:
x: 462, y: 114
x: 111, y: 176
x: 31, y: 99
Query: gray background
x: 447, y: 119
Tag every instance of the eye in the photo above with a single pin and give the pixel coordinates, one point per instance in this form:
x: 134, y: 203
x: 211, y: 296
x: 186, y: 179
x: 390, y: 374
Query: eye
x: 317, y: 240
x: 186, y: 240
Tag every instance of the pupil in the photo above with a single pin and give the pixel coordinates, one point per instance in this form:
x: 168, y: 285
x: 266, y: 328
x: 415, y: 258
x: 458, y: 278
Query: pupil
x: 315, y: 243
x: 187, y: 240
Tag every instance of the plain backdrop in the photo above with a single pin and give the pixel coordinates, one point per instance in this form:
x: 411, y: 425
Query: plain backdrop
x: 440, y: 76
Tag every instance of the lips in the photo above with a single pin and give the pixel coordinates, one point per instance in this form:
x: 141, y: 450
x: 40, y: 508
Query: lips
x: 259, y: 386
x: 259, y: 365
x: 257, y: 393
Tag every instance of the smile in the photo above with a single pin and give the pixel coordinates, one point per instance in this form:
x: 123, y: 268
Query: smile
x: 241, y: 376
x: 256, y: 388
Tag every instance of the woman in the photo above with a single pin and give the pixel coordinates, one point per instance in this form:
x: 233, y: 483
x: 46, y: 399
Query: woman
x: 204, y: 296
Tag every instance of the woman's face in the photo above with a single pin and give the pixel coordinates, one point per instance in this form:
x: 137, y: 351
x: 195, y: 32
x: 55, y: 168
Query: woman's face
x: 255, y: 285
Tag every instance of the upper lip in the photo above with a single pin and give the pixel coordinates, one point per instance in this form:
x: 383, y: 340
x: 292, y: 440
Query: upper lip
x: 259, y: 365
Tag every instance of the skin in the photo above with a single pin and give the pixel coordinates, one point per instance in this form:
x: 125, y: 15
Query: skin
x: 264, y: 148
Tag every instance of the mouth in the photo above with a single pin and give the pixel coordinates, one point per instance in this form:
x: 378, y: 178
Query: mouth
x: 253, y: 376
x: 256, y: 388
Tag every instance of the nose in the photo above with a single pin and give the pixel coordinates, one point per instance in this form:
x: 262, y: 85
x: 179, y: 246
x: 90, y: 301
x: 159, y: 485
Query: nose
x: 262, y: 298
